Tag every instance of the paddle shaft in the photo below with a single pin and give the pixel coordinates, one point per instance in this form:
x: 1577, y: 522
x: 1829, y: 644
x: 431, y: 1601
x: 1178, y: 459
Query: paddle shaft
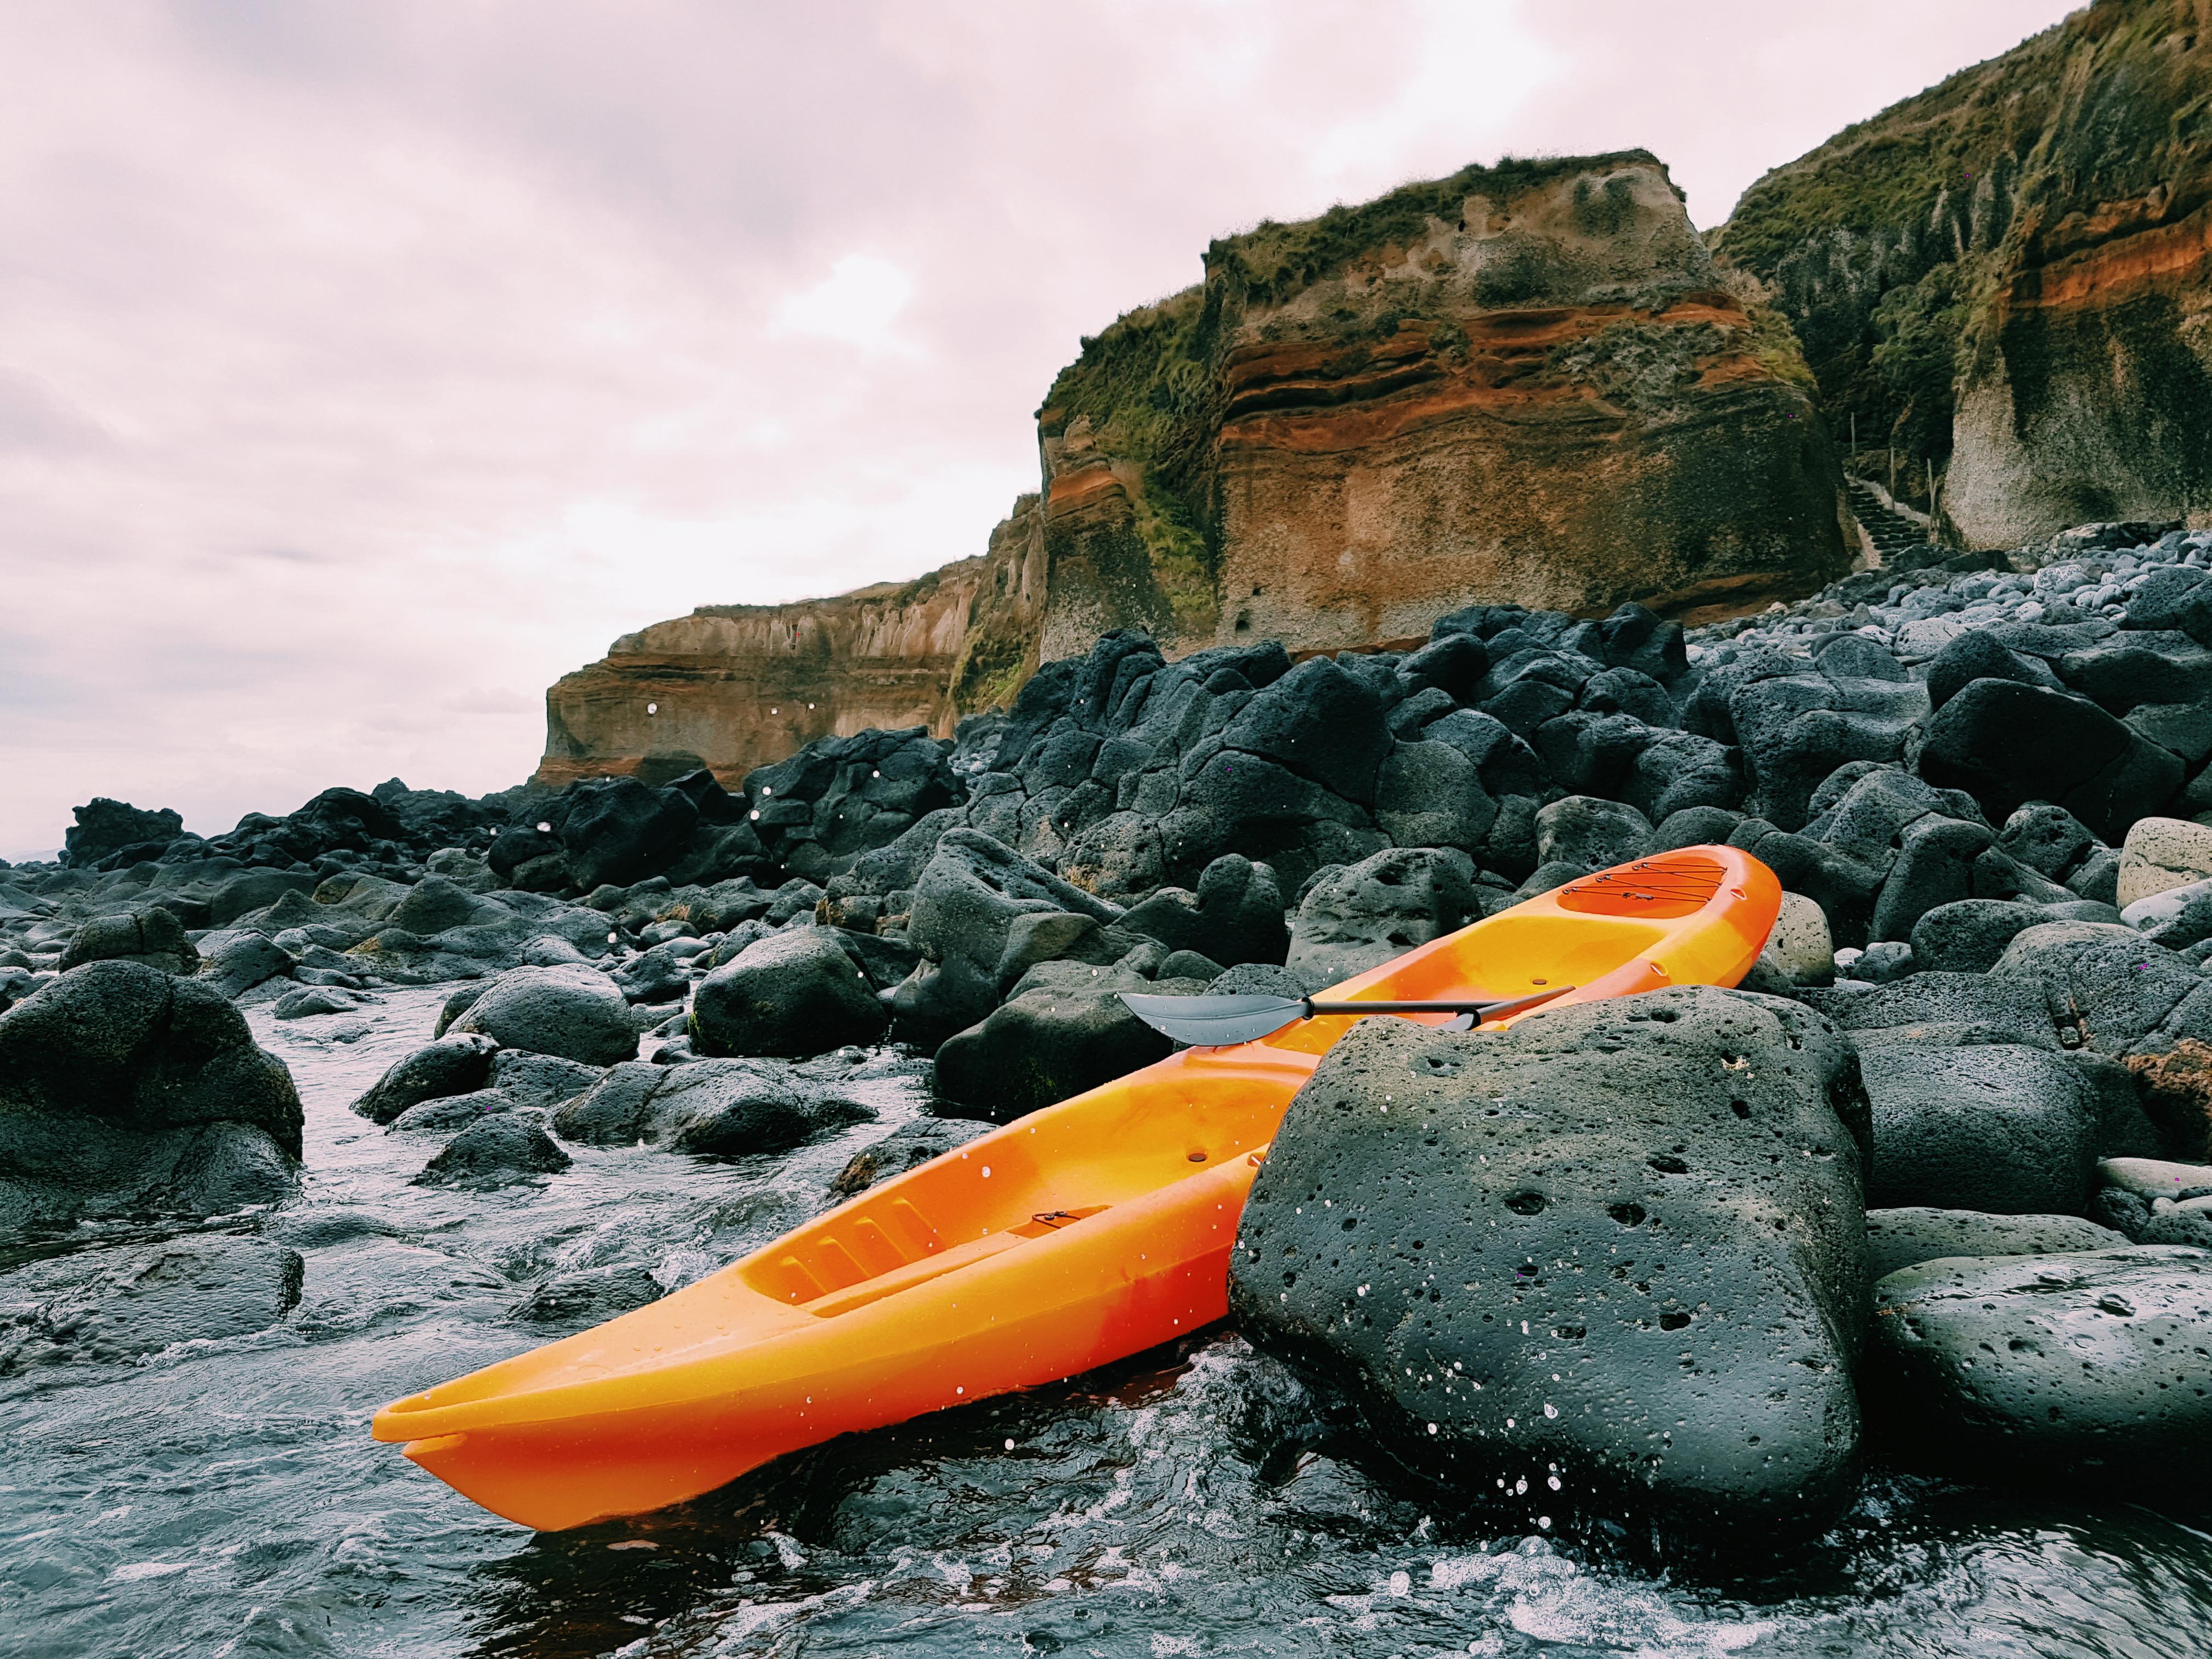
x: 1313, y: 1008
x: 1493, y: 1006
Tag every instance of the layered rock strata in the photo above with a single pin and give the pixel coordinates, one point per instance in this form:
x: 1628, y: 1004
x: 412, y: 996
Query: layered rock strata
x: 731, y: 686
x: 1527, y: 383
x: 2005, y: 280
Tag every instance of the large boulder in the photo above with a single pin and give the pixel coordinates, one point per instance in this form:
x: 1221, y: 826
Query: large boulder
x: 571, y: 1012
x: 1359, y: 917
x: 793, y: 993
x: 243, y: 962
x: 2084, y: 1363
x: 105, y: 828
x: 1611, y: 1258
x: 1910, y: 1235
x: 123, y: 1088
x: 965, y: 901
x: 1797, y: 729
x: 493, y: 1152
x: 907, y: 1147
x: 1996, y: 1127
x: 2160, y: 853
x: 713, y: 1108
x: 2127, y: 996
x: 2007, y: 744
x: 153, y: 936
x: 1235, y: 915
x: 1941, y: 1009
x: 118, y: 1304
x: 616, y: 829
x: 1319, y: 722
x: 1070, y: 1033
x: 1594, y: 833
x: 453, y: 1064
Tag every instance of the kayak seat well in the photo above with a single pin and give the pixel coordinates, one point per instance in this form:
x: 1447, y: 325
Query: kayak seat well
x: 1663, y: 889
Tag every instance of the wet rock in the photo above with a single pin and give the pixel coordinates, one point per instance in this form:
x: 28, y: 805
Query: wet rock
x: 495, y: 1152
x: 716, y: 1108
x: 254, y: 890
x: 1996, y: 1127
x: 796, y: 993
x: 908, y: 1147
x: 242, y: 962
x: 574, y: 1012
x: 1357, y: 918
x: 311, y: 1000
x: 1048, y: 1044
x: 153, y: 936
x: 451, y: 1112
x: 2089, y: 1365
x: 102, y: 1306
x: 1571, y: 1247
x: 964, y: 903
x: 589, y: 1296
x: 540, y: 1081
x: 124, y: 1088
x: 1905, y: 1238
x: 451, y: 1066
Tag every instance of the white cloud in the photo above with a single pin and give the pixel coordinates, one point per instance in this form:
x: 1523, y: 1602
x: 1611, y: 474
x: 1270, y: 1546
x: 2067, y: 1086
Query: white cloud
x: 363, y: 369
x: 857, y: 303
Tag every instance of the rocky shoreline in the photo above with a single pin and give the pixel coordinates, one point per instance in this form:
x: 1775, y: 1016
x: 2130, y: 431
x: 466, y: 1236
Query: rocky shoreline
x: 1934, y: 1188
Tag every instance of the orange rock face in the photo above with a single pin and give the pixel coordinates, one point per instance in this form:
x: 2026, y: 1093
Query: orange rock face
x: 1527, y: 383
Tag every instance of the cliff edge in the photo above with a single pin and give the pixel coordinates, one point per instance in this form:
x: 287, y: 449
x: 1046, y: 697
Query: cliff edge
x: 1528, y: 383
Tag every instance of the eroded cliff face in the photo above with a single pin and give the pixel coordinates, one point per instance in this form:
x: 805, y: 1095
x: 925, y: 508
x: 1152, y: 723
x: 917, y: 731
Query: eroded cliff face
x: 2007, y: 278
x: 1522, y: 383
x: 730, y: 687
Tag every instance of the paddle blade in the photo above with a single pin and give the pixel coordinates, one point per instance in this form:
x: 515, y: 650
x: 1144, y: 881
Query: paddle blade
x: 1213, y: 1021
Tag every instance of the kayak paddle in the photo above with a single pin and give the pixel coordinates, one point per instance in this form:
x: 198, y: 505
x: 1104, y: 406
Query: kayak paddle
x: 1213, y: 1021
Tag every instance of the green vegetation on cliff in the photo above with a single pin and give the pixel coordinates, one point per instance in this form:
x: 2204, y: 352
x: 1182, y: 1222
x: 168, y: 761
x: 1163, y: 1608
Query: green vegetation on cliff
x: 1886, y: 245
x: 1273, y: 261
x: 1150, y: 385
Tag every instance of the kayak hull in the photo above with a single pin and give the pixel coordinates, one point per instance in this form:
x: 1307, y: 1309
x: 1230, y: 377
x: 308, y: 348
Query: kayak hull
x: 1072, y: 1237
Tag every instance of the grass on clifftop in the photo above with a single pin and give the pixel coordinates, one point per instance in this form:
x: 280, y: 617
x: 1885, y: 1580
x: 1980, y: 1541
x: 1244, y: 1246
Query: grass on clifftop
x: 1273, y: 261
x: 1150, y: 384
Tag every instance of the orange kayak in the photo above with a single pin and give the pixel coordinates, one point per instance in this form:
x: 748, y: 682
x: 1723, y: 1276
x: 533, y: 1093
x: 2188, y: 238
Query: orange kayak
x: 1080, y: 1234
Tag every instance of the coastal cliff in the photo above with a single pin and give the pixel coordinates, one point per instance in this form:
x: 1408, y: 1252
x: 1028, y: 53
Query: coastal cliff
x: 1528, y: 383
x: 2005, y: 280
x: 732, y: 685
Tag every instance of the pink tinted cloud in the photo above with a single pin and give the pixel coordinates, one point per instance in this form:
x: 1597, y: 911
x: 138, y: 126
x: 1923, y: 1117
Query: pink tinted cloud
x: 363, y: 368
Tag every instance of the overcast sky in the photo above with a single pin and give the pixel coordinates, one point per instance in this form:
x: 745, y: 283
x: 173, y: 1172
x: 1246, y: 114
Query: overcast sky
x: 365, y: 367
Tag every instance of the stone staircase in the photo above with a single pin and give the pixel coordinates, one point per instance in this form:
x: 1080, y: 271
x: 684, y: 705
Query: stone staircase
x: 1890, y: 531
